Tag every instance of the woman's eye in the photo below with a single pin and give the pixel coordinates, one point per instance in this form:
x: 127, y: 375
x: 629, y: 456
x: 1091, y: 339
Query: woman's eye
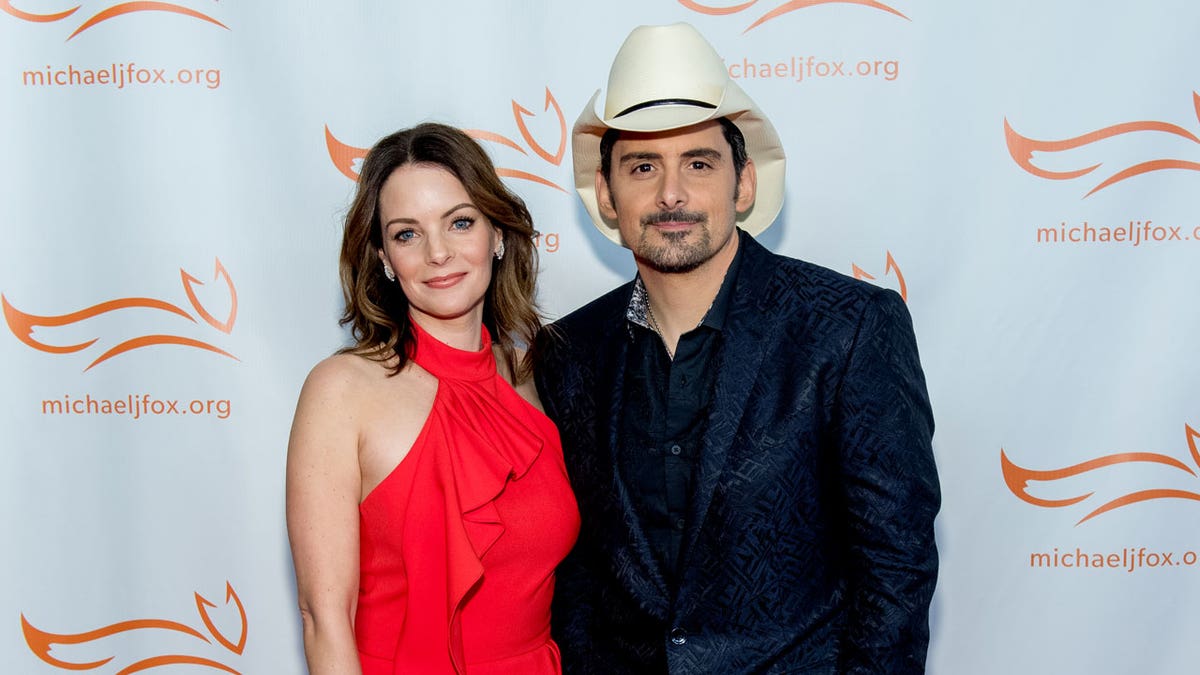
x: 463, y: 223
x: 404, y: 235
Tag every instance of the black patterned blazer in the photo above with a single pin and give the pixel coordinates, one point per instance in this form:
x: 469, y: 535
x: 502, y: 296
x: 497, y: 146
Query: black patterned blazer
x: 810, y: 546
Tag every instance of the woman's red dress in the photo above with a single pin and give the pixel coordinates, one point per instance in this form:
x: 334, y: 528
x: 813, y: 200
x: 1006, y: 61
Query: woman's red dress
x: 459, y: 543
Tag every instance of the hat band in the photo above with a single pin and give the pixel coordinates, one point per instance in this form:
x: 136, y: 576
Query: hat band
x: 666, y: 101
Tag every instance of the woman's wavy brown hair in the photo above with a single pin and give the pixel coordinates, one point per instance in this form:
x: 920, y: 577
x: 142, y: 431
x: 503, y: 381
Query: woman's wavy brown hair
x: 377, y: 310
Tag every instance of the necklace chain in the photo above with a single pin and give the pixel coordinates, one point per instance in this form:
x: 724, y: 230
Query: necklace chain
x: 659, y: 331
x: 654, y: 325
x: 654, y: 322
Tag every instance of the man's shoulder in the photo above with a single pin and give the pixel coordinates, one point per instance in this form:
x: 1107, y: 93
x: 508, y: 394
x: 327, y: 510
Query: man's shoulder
x: 817, y: 287
x: 585, y: 332
x: 569, y: 349
x: 598, y: 317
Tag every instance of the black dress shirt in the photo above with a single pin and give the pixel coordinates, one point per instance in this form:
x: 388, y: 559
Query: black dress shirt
x: 665, y: 416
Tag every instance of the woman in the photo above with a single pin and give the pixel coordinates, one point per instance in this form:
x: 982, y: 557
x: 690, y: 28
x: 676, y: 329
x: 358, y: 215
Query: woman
x: 427, y: 501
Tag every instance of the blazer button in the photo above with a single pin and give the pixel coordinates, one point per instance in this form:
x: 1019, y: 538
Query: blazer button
x: 678, y: 636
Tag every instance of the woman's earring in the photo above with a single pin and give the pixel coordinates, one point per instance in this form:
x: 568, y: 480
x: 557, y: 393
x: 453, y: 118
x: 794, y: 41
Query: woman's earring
x: 387, y: 272
x: 500, y: 251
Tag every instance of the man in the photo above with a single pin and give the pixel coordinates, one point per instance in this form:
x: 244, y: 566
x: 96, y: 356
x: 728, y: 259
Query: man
x: 748, y: 435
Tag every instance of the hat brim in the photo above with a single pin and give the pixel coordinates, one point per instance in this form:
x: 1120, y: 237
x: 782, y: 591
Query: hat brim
x: 763, y: 147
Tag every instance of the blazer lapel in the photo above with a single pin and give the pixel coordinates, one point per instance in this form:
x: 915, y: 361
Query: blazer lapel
x: 629, y: 551
x: 749, y: 331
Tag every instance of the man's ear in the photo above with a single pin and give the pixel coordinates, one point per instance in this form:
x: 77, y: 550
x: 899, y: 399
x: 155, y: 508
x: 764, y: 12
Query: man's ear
x: 604, y: 199
x: 747, y: 186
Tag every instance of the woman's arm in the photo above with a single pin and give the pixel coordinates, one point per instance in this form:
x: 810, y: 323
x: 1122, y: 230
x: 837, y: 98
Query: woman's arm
x: 323, y: 490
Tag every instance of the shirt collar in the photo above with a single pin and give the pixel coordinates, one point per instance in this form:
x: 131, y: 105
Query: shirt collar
x: 714, y: 318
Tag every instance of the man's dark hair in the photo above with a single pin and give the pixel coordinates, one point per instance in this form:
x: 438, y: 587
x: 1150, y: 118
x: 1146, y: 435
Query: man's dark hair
x: 732, y: 134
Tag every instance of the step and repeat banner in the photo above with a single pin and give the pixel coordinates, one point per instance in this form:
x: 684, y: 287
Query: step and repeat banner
x: 174, y: 178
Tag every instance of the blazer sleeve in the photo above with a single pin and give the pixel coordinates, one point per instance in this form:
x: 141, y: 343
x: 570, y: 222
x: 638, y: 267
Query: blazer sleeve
x: 884, y: 430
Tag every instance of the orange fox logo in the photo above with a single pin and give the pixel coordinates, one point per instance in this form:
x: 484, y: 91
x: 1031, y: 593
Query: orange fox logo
x: 41, y: 642
x: 22, y: 324
x: 106, y: 14
x: 1017, y: 478
x: 890, y: 267
x: 1022, y: 148
x: 346, y: 157
x: 785, y: 8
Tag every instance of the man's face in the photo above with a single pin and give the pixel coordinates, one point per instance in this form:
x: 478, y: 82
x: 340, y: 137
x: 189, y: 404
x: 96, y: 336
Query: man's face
x: 672, y: 194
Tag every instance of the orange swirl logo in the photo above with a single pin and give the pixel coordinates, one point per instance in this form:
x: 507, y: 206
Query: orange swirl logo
x: 108, y: 14
x: 1017, y: 478
x: 890, y: 268
x: 22, y: 324
x: 347, y: 157
x: 1022, y: 148
x: 41, y: 643
x: 785, y: 8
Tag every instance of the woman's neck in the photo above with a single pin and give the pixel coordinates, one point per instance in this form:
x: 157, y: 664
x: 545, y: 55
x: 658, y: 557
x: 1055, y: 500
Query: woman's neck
x: 461, y: 332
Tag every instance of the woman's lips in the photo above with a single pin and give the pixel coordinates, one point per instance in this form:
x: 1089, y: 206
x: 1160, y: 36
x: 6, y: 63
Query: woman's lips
x: 445, y: 281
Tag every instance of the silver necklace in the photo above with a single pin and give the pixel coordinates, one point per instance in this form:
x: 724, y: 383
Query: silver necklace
x: 654, y: 325
x: 657, y: 330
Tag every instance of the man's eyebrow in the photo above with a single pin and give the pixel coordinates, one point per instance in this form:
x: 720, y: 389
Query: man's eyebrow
x: 638, y: 156
x: 703, y: 153
x: 695, y: 153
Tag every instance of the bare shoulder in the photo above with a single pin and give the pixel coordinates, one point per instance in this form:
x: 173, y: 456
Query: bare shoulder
x: 359, y: 409
x: 350, y: 368
x: 348, y: 387
x: 527, y: 389
x: 337, y: 374
x: 329, y: 393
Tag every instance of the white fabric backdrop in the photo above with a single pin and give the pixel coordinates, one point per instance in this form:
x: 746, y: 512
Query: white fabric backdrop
x: 1059, y: 354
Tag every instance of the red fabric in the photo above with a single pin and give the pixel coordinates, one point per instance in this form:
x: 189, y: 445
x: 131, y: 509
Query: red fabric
x: 459, y: 543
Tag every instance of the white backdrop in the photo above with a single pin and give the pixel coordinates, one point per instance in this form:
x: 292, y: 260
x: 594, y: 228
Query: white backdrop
x: 174, y: 177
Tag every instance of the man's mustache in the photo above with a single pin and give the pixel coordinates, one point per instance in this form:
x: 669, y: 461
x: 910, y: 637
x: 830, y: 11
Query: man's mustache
x: 673, y: 217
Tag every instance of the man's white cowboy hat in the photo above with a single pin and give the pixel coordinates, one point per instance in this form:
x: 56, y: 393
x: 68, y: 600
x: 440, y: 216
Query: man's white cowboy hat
x: 668, y: 77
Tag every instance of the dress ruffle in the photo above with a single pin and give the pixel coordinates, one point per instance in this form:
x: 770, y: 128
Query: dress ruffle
x: 485, y: 446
